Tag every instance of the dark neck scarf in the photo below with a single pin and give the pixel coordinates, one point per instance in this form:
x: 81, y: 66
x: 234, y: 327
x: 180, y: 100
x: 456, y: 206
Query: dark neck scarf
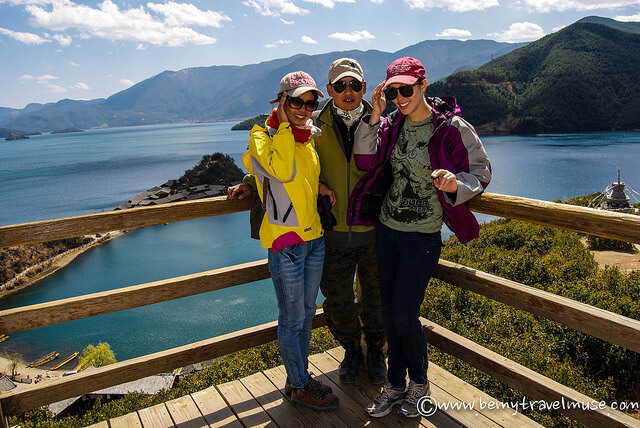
x: 301, y: 135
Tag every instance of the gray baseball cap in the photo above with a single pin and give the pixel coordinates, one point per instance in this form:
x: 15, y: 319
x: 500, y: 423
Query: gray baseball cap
x: 344, y: 67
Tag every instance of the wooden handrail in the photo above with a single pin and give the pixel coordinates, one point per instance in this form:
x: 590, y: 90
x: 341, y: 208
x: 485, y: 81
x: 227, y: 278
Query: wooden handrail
x: 525, y: 380
x: 608, y: 224
x: 609, y: 326
x: 73, y: 308
x: 69, y: 227
x: 17, y: 401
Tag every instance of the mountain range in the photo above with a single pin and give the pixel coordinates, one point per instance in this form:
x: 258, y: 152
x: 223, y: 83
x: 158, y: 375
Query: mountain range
x: 585, y: 77
x: 235, y: 92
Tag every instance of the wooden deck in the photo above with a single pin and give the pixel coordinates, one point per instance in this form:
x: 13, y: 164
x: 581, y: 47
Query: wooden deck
x: 259, y: 401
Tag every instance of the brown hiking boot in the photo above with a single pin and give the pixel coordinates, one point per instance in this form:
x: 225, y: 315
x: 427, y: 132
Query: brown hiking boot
x: 314, y: 383
x: 315, y: 398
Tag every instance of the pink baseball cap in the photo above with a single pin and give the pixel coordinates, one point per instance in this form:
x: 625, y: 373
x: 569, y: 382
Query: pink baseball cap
x: 405, y: 70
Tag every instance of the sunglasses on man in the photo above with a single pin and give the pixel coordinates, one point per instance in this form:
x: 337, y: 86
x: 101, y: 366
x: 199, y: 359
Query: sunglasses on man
x: 296, y: 103
x: 406, y: 91
x: 340, y: 86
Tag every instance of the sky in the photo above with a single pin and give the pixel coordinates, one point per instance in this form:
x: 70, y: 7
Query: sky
x: 83, y: 49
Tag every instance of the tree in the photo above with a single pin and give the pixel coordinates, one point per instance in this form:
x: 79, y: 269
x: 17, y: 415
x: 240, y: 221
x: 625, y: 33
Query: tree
x: 14, y: 360
x: 97, y: 356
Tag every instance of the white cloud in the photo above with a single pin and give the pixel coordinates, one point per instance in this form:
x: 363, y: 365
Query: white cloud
x: 309, y: 40
x: 46, y: 77
x: 454, y: 33
x: 329, y: 3
x: 377, y: 1
x: 26, y: 38
x: 276, y: 43
x: 62, y: 39
x: 581, y: 5
x: 109, y: 22
x: 126, y: 82
x: 46, y: 80
x: 141, y: 47
x: 177, y: 14
x: 628, y: 18
x: 519, y: 31
x: 354, y: 36
x: 452, y: 5
x: 82, y: 85
x: 275, y: 7
x: 284, y: 21
x: 74, y: 64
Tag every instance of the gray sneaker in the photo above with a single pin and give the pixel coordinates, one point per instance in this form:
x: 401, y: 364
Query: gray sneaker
x: 414, y: 392
x: 383, y: 404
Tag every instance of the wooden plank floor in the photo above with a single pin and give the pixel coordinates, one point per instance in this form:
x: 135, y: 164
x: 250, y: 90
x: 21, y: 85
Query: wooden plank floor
x: 259, y: 401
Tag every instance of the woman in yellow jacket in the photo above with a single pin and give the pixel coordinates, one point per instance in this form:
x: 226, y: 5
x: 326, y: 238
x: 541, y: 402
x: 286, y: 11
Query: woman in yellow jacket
x: 283, y: 158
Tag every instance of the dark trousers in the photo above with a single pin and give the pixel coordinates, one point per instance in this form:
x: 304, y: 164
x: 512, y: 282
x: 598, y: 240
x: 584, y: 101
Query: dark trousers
x: 337, y: 287
x: 406, y: 262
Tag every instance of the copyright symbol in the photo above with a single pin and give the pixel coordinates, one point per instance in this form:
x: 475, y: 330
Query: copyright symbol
x: 427, y: 406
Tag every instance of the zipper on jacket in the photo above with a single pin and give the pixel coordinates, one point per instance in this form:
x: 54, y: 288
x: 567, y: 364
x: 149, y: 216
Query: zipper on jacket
x: 284, y: 219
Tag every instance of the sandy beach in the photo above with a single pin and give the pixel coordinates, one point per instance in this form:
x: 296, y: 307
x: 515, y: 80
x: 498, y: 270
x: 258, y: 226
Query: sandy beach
x: 28, y: 376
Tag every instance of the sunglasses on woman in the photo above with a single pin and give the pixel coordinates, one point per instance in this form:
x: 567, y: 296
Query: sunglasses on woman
x: 340, y: 86
x: 297, y: 103
x: 406, y: 91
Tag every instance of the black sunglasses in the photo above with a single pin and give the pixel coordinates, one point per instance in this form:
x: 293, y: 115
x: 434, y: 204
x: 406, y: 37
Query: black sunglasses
x: 341, y: 85
x: 406, y: 91
x: 297, y: 103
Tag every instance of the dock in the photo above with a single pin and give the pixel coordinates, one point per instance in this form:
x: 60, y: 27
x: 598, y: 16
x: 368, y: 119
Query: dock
x: 259, y: 400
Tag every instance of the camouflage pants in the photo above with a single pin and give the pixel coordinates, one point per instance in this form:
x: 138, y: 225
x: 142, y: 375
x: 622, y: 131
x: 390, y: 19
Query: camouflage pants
x: 337, y: 287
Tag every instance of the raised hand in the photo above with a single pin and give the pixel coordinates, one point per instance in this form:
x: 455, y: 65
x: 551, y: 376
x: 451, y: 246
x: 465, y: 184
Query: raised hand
x: 280, y: 113
x: 379, y: 103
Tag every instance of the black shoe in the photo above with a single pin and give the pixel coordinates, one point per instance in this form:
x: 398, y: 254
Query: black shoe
x: 376, y: 366
x: 349, y: 366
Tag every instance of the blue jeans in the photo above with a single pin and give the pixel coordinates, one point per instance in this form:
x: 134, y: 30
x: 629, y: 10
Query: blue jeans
x: 406, y: 261
x: 296, y: 271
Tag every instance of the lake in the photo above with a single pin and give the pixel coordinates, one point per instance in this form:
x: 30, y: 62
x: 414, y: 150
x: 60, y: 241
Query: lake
x: 60, y: 175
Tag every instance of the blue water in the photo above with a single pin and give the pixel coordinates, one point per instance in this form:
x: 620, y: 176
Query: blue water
x: 52, y: 176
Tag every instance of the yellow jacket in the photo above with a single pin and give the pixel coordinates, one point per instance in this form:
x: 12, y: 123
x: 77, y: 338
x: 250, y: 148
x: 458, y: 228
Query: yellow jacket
x: 293, y: 171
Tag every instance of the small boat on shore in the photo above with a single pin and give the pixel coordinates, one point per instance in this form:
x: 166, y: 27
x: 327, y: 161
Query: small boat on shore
x: 67, y: 360
x: 3, y: 337
x: 45, y: 359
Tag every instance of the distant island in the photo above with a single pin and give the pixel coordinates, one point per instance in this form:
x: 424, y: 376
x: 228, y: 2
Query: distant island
x: 67, y: 130
x: 15, y: 136
x: 246, y: 125
x: 209, y: 178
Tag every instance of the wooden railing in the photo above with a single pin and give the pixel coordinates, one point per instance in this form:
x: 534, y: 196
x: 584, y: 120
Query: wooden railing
x: 608, y: 326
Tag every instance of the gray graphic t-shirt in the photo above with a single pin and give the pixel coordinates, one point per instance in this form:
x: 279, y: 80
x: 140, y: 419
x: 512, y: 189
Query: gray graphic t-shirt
x: 411, y: 204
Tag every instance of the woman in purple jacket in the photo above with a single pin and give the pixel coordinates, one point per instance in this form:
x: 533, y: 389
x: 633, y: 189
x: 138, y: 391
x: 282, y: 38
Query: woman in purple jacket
x: 436, y: 162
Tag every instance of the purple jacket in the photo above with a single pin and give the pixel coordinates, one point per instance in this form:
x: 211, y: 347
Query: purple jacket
x: 454, y: 146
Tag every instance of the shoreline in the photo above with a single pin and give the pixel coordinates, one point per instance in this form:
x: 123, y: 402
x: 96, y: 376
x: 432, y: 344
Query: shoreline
x: 56, y: 263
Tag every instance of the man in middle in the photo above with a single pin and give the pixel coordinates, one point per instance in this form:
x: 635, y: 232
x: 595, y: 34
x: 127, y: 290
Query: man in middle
x: 348, y: 247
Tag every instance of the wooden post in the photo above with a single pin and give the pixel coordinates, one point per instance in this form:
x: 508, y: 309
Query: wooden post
x: 4, y: 423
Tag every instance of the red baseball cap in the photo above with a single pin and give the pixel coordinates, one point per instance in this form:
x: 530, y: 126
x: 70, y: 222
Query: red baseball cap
x: 405, y: 70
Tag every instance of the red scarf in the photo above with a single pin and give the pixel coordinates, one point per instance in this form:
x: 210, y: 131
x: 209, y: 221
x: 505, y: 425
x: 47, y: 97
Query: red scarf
x: 301, y: 135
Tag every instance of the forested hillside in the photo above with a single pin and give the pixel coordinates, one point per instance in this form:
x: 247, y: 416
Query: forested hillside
x: 585, y: 77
